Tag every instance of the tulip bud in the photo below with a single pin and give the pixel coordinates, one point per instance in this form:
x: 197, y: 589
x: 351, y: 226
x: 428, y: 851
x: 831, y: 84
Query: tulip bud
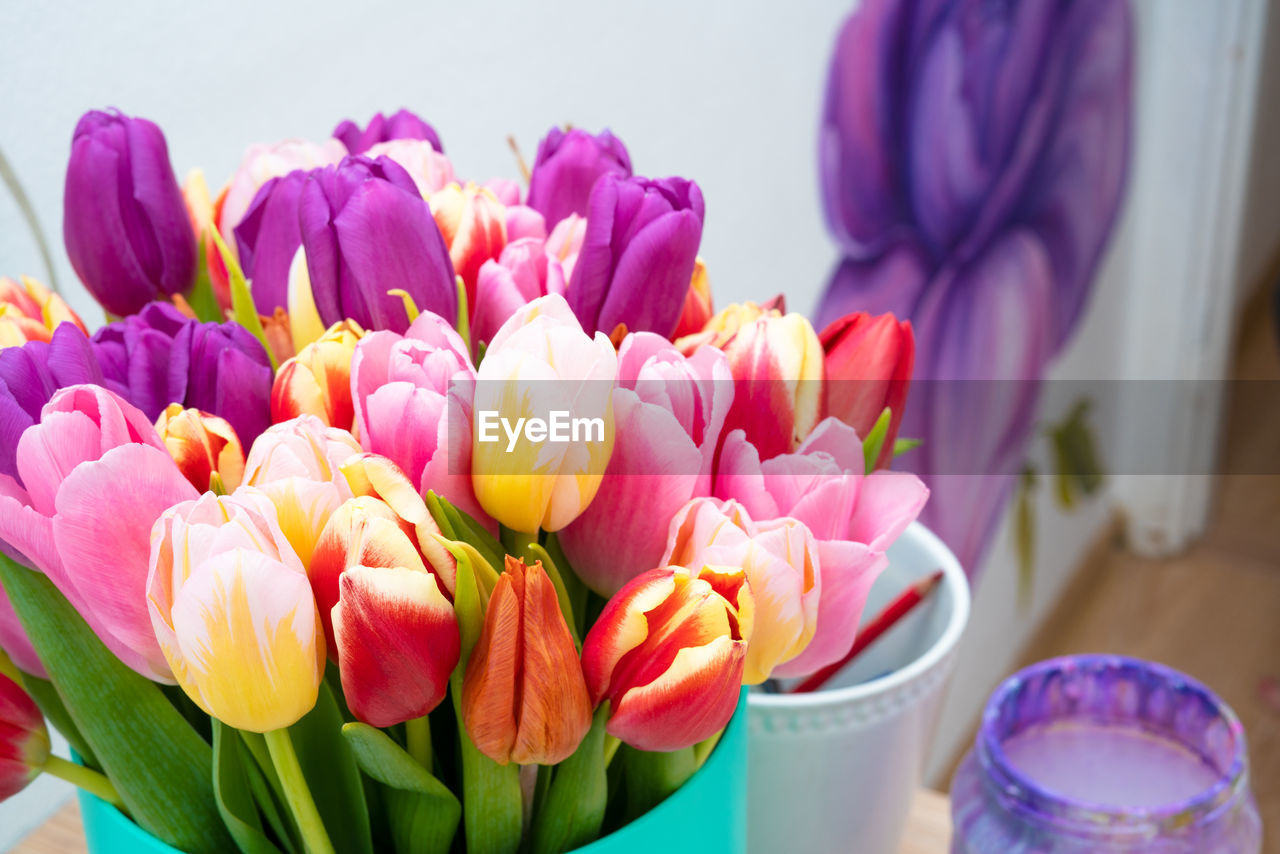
x: 565, y: 242
x: 868, y: 368
x: 24, y: 739
x: 267, y: 238
x: 568, y: 165
x: 124, y: 222
x: 367, y: 231
x: 392, y: 627
x: 399, y: 125
x: 524, y: 699
x: 777, y: 365
x: 317, y: 381
x: 697, y: 303
x: 204, y: 446
x: 667, y: 653
x: 233, y: 611
x: 474, y: 225
x: 637, y: 255
x: 30, y: 312
x: 540, y: 362
x: 261, y: 163
x: 780, y: 559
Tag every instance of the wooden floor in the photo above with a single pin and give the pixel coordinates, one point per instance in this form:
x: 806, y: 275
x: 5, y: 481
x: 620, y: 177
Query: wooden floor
x: 1213, y: 612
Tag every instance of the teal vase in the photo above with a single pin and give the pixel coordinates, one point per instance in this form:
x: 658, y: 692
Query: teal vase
x: 706, y: 816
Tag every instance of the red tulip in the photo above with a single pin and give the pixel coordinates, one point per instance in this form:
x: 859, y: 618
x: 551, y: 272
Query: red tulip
x: 868, y: 365
x: 524, y: 699
x: 24, y: 739
x: 667, y: 653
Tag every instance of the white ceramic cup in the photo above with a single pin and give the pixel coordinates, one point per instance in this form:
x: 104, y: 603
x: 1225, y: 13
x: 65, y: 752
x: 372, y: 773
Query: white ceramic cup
x: 835, y: 771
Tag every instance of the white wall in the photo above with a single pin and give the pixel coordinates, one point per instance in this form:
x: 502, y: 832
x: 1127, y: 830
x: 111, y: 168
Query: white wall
x: 723, y: 92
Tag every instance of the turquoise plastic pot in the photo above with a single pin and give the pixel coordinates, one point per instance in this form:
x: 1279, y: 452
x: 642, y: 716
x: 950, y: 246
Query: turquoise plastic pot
x: 707, y: 815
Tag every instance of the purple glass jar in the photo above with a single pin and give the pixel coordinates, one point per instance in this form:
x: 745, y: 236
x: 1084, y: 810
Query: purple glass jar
x: 1098, y: 754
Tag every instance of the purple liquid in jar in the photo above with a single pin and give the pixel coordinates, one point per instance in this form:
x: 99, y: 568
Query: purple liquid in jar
x: 1102, y: 754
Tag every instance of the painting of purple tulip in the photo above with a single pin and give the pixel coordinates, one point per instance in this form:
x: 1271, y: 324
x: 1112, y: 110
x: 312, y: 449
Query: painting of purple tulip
x: 972, y: 159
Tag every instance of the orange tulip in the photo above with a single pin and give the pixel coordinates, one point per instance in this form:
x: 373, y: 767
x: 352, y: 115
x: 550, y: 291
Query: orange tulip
x: 203, y: 446
x: 524, y: 699
x: 697, y: 303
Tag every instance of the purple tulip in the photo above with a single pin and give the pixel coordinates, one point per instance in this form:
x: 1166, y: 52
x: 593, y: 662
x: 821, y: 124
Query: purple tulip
x: 637, y: 254
x: 124, y: 221
x: 568, y: 166
x: 973, y: 158
x: 268, y: 236
x: 160, y: 356
x: 399, y: 125
x: 366, y: 231
x: 30, y: 374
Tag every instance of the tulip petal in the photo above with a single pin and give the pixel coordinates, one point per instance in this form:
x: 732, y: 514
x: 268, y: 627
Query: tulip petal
x: 249, y: 647
x: 115, y: 588
x: 397, y: 642
x: 689, y: 702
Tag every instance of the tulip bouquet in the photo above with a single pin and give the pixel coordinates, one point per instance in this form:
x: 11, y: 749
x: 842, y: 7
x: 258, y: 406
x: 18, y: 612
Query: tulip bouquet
x: 391, y: 511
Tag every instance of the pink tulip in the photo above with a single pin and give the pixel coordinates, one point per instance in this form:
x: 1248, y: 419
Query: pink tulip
x: 504, y: 190
x: 668, y: 413
x: 97, y: 477
x: 430, y: 170
x: 565, y: 242
x: 781, y: 564
x: 854, y: 517
x: 412, y: 396
x: 14, y: 640
x: 524, y: 272
x: 777, y: 365
x: 523, y: 221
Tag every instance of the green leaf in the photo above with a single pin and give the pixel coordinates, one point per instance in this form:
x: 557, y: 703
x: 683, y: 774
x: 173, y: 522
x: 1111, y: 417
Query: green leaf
x: 1077, y: 469
x: 468, y: 530
x: 652, y: 777
x: 243, y: 311
x: 202, y: 299
x: 902, y: 446
x: 423, y: 813
x: 235, y: 795
x: 50, y: 703
x: 576, y: 590
x: 330, y: 769
x: 874, y: 441
x: 573, y: 811
x: 159, y: 764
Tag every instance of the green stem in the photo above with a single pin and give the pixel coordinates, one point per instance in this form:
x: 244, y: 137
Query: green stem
x: 314, y: 836
x: 464, y: 325
x: 86, y: 778
x: 703, y: 749
x: 28, y: 211
x: 517, y: 543
x: 417, y: 733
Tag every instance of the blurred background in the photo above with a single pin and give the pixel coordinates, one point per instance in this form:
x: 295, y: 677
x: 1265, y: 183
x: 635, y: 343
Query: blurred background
x: 1180, y: 566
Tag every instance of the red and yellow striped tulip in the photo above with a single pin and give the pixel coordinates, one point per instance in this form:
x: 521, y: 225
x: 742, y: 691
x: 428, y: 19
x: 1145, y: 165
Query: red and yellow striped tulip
x: 317, y: 381
x: 203, y: 446
x: 524, y: 699
x: 667, y: 653
x: 780, y: 559
x: 30, y: 312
